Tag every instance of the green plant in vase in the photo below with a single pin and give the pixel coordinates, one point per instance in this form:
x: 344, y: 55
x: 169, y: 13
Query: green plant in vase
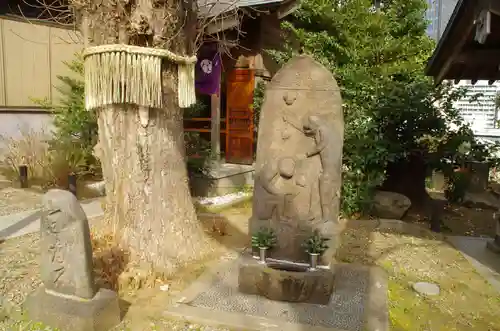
x: 315, y: 245
x: 264, y: 239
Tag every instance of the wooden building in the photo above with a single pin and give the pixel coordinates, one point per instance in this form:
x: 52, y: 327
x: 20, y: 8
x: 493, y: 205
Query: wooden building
x: 33, y: 49
x: 230, y: 120
x: 32, y: 55
x: 470, y: 46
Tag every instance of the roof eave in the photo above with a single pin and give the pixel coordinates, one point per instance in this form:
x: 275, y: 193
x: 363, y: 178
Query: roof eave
x: 430, y: 69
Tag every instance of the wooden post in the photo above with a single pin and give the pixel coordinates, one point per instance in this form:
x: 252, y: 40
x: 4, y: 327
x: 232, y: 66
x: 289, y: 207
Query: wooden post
x: 215, y: 126
x: 23, y: 176
x: 72, y: 183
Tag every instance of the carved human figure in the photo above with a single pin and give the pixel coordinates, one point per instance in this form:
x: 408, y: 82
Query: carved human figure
x: 327, y: 147
x: 283, y: 184
x: 300, y: 89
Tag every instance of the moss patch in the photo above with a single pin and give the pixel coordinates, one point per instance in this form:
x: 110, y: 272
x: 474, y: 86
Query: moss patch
x: 466, y: 302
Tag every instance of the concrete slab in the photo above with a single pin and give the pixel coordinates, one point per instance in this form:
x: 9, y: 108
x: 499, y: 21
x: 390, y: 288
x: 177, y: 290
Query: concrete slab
x: 358, y: 303
x: 475, y: 251
x: 222, y: 179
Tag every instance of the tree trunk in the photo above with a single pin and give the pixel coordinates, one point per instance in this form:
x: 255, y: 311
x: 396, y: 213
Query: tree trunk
x: 408, y: 178
x: 148, y: 201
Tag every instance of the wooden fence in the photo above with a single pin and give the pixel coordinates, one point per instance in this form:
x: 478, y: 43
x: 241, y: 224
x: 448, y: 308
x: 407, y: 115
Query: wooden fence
x: 32, y: 55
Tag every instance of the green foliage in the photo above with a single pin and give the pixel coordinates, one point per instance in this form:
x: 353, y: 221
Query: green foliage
x: 391, y: 109
x: 264, y: 238
x: 75, y: 128
x: 258, y: 100
x: 199, y: 109
x: 316, y: 244
x: 198, y: 153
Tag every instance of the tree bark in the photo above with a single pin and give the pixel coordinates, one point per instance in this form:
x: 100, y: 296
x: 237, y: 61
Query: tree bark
x: 408, y: 178
x: 148, y: 202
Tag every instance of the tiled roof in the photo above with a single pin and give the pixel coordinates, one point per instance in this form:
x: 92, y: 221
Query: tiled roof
x: 209, y: 8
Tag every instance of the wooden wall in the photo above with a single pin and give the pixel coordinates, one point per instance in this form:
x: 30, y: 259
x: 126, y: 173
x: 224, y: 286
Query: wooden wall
x: 31, y: 58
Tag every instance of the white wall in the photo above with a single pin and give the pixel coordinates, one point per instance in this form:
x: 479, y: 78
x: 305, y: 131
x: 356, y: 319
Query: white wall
x: 13, y: 124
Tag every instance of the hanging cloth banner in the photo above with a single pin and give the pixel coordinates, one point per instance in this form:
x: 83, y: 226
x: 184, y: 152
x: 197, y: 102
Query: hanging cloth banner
x: 208, y: 71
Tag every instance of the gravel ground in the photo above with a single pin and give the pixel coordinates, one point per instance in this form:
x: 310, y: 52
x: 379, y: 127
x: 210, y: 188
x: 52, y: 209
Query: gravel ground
x: 19, y: 276
x: 19, y: 273
x: 169, y: 325
x: 14, y: 200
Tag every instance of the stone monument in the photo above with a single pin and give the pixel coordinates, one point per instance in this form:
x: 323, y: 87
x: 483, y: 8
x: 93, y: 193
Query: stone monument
x: 68, y: 298
x: 298, y: 170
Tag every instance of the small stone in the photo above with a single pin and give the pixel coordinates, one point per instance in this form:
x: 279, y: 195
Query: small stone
x: 390, y: 205
x: 164, y: 288
x: 68, y: 299
x: 426, y: 288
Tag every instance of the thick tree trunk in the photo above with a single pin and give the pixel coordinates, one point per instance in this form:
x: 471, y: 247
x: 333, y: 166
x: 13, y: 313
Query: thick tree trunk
x: 408, y: 178
x: 148, y: 199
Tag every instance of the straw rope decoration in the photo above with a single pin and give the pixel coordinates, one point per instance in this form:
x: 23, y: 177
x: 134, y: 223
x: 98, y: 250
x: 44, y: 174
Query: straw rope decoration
x: 132, y: 74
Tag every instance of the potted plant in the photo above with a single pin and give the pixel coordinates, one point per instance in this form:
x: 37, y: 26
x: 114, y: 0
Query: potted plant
x: 315, y: 245
x: 264, y: 239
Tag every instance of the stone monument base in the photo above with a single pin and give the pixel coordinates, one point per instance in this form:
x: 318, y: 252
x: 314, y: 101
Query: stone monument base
x: 283, y: 281
x: 101, y: 313
x: 358, y: 302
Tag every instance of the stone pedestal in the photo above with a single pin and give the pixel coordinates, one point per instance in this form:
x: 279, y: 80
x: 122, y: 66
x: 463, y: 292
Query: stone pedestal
x: 68, y: 313
x: 285, y: 282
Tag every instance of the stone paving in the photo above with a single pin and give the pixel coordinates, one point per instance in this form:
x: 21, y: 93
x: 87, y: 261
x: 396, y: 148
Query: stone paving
x: 26, y: 222
x: 485, y: 261
x: 359, y: 302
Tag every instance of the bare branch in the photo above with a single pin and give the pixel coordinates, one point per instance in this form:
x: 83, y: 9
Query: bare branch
x: 123, y: 20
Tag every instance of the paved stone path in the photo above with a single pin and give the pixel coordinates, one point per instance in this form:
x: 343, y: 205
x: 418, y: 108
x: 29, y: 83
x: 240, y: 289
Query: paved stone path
x: 485, y: 261
x: 19, y: 224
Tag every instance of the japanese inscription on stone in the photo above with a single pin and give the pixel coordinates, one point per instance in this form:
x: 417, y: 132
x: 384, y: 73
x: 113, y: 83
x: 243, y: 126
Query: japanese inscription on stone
x: 66, y: 265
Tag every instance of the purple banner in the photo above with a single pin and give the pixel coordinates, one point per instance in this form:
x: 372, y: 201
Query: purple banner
x: 208, y: 70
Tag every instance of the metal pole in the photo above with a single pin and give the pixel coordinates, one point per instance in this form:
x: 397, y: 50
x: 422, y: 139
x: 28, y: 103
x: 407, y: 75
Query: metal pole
x: 439, y: 18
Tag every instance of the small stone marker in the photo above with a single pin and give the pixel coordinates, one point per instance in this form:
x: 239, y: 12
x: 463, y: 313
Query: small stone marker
x: 426, y: 288
x: 68, y: 299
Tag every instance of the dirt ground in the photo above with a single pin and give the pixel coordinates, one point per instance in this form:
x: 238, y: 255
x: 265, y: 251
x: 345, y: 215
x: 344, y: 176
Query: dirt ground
x: 408, y: 253
x: 459, y: 220
x: 142, y: 309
